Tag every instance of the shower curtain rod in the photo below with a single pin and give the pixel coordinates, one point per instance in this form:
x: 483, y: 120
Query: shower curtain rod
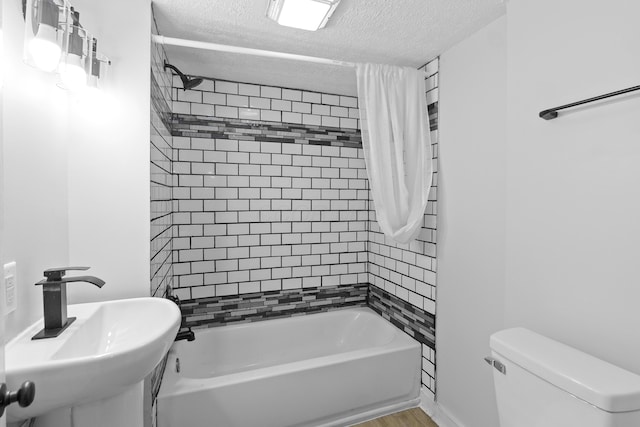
x: 248, y: 51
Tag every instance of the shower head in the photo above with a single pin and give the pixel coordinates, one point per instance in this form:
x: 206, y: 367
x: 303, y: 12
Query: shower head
x: 187, y: 83
x: 191, y: 83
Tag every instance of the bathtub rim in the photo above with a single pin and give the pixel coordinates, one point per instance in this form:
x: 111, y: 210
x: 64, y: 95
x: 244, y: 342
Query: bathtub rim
x: 181, y: 385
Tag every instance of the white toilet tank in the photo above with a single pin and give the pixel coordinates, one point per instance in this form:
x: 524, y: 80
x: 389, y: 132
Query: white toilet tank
x: 549, y: 384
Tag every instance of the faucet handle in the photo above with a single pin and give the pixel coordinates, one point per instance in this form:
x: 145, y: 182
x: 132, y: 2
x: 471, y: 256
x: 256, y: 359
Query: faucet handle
x: 53, y: 274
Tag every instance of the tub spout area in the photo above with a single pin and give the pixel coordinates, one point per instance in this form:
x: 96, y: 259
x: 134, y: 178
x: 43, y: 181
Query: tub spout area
x: 185, y: 335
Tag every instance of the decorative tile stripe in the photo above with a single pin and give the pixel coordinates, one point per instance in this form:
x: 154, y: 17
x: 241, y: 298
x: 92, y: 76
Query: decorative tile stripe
x: 416, y: 322
x: 220, y: 311
x: 433, y: 116
x: 187, y: 125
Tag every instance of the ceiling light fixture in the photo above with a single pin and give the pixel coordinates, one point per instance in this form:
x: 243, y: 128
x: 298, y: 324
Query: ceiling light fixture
x: 310, y: 15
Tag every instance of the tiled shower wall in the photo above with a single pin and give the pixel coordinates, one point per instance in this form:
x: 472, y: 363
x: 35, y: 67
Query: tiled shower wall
x: 161, y: 173
x: 162, y: 181
x: 409, y: 271
x: 265, y: 206
x: 272, y: 202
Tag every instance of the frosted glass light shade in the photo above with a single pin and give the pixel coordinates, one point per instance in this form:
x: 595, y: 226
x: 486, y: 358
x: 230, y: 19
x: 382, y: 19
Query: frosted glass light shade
x: 308, y: 15
x: 72, y: 73
x: 44, y: 49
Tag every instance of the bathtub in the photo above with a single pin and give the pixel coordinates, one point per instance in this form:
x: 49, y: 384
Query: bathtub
x: 328, y: 369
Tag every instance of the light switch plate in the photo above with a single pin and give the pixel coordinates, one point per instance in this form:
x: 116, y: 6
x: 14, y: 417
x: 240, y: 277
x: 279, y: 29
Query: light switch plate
x: 10, y: 287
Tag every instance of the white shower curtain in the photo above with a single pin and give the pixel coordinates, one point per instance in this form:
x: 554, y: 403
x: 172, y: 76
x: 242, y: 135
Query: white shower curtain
x: 397, y: 146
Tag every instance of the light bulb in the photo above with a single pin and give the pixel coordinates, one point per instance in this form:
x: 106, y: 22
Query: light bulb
x: 44, y: 50
x: 72, y: 73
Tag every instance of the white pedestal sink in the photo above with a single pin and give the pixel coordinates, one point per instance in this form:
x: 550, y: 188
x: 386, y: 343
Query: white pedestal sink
x: 94, y: 370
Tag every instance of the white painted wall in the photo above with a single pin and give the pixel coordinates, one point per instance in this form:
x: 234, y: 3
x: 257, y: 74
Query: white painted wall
x: 471, y: 222
x: 76, y: 180
x: 109, y: 188
x: 573, y: 224
x: 570, y: 269
x: 34, y: 169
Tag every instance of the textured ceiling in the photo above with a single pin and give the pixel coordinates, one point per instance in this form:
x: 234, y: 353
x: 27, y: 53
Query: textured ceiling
x: 398, y: 32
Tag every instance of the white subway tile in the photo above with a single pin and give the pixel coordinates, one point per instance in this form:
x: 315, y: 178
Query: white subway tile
x: 190, y: 96
x: 203, y: 291
x: 312, y: 120
x: 215, y: 156
x: 348, y: 123
x: 249, y: 113
x: 292, y: 95
x: 270, y: 116
x: 270, y: 92
x: 292, y: 171
x: 262, y: 103
x: 260, y: 158
x: 301, y: 107
x: 226, y: 145
x: 260, y: 181
x: 237, y: 157
x: 203, y: 168
x: 252, y: 146
x: 349, y: 101
x: 207, y: 85
x: 312, y: 97
x: 339, y: 111
x: 330, y: 151
x: 278, y: 104
x: 330, y: 121
x: 291, y: 148
x: 281, y: 159
x: 202, y: 144
x: 320, y: 110
x: 247, y: 89
x: 271, y: 170
x: 226, y: 112
x: 292, y: 118
x: 330, y: 99
x: 226, y: 169
x: 202, y: 109
x: 237, y: 101
x: 249, y: 169
x: 270, y: 285
x: 226, y: 87
x: 214, y: 98
x: 181, y: 107
x: 270, y: 147
x: 227, y: 289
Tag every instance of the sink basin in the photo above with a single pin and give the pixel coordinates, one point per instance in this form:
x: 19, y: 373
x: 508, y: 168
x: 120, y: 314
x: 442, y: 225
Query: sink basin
x: 111, y: 346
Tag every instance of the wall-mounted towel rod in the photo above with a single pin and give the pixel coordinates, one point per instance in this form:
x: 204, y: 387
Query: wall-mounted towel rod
x: 552, y: 113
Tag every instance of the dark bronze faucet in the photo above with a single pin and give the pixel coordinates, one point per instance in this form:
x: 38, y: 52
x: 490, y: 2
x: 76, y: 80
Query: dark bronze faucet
x: 54, y: 299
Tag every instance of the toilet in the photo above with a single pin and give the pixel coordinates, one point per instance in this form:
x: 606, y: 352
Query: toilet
x: 540, y: 382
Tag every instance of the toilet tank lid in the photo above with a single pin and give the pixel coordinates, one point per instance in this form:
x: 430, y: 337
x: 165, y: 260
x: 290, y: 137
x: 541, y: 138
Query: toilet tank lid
x: 595, y: 381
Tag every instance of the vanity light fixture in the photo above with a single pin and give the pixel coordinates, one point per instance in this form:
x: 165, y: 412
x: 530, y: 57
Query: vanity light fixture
x: 308, y: 15
x: 73, y: 68
x: 43, y: 35
x: 55, y: 41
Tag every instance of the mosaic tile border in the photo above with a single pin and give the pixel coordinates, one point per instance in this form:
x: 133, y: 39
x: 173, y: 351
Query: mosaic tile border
x: 414, y: 321
x: 220, y: 311
x: 188, y: 125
